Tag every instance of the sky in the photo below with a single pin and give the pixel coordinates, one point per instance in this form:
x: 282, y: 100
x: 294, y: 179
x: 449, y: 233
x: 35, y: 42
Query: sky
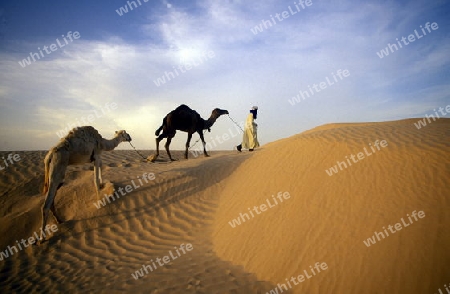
x: 125, y: 64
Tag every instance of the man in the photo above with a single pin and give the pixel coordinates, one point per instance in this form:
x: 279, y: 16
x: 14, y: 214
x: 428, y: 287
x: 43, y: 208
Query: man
x: 250, y: 137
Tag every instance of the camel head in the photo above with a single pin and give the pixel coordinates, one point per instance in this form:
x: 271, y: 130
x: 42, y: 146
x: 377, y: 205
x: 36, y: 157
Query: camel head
x: 218, y: 112
x: 212, y: 119
x: 123, y: 135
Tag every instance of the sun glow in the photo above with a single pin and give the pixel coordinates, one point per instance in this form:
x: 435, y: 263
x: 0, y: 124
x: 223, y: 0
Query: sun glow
x: 187, y: 55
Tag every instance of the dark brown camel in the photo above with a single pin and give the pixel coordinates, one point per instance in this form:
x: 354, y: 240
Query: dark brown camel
x: 187, y: 120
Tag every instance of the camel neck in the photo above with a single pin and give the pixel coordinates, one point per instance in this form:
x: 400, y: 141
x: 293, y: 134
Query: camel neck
x: 109, y: 145
x: 209, y: 122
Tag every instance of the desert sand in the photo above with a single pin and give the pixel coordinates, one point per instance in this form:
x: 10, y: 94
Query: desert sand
x: 313, y: 218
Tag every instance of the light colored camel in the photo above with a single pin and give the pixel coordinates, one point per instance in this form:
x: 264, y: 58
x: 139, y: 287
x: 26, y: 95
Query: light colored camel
x: 81, y: 145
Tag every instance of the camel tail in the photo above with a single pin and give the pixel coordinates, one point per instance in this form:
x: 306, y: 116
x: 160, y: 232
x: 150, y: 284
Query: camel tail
x: 162, y: 126
x: 158, y: 131
x: 47, y: 161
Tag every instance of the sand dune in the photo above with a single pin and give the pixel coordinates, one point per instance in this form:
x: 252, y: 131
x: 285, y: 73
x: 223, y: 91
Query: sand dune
x: 327, y: 217
x: 323, y: 218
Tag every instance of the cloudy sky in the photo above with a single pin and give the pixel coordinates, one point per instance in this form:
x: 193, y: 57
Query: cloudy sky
x: 230, y: 54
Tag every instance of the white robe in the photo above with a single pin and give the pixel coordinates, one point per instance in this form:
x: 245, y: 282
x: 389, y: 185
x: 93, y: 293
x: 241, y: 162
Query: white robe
x: 250, y: 137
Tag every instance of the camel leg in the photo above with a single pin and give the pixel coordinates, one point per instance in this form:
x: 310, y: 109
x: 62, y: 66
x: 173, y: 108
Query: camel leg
x: 204, y: 144
x: 52, y: 208
x: 56, y: 176
x: 49, y: 204
x: 100, y: 166
x: 97, y: 174
x: 157, y: 146
x: 187, y: 145
x: 169, y: 139
x: 159, y: 139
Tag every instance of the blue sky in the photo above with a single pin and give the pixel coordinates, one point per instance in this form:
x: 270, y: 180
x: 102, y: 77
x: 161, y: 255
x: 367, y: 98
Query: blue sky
x: 117, y: 59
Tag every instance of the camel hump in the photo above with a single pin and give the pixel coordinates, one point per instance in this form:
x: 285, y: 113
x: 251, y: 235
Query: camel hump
x: 183, y: 107
x: 185, y: 111
x: 85, y: 134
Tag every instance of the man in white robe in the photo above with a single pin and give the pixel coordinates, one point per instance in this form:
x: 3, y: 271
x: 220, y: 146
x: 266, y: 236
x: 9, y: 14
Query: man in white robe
x: 250, y: 136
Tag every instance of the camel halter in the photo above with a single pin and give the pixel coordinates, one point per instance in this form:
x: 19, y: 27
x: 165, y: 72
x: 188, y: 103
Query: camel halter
x: 235, y: 123
x: 137, y: 151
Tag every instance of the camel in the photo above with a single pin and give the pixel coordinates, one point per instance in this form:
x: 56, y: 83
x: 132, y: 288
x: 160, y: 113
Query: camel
x: 81, y: 145
x: 187, y: 120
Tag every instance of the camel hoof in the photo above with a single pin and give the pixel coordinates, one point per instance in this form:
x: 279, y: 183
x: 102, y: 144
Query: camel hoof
x: 207, y: 155
x: 152, y: 158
